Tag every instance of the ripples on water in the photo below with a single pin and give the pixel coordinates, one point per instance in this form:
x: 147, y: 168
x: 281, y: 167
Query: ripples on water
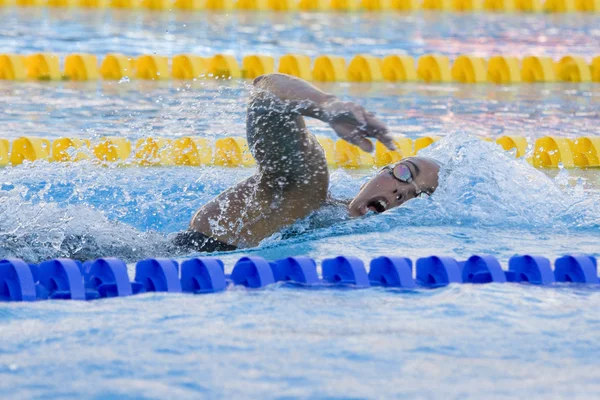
x: 490, y: 341
x: 346, y: 34
x: 486, y: 197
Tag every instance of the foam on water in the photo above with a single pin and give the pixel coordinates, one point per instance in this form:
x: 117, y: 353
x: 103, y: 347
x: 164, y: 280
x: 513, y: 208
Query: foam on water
x: 58, y: 210
x: 481, y: 187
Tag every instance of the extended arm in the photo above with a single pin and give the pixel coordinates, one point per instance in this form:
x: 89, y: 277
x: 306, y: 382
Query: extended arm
x: 292, y: 178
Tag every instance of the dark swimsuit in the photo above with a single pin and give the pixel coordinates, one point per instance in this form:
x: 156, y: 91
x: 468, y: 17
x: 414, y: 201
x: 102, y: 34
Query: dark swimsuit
x: 193, y: 240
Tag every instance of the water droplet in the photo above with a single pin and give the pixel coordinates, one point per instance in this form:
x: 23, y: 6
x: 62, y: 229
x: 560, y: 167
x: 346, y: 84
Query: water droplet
x: 157, y: 73
x: 124, y: 79
x: 561, y: 165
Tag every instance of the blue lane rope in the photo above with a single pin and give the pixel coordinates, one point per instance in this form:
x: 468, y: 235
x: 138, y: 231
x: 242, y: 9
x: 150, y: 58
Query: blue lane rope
x: 64, y: 278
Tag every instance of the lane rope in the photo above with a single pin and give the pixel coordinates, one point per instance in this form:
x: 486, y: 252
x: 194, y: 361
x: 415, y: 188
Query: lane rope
x: 108, y: 277
x: 545, y: 152
x: 526, y: 6
x: 429, y: 68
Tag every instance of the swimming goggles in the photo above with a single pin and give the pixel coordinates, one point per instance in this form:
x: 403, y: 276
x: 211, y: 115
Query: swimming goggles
x: 402, y: 173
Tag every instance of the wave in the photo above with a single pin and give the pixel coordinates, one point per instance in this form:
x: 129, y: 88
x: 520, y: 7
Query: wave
x: 86, y: 211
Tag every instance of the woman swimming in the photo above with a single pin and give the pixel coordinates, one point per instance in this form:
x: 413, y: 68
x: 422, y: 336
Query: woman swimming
x: 292, y: 179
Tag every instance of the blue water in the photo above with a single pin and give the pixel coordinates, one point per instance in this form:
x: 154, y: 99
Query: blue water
x: 463, y: 341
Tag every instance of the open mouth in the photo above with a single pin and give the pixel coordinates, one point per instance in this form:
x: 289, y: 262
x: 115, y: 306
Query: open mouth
x: 378, y: 205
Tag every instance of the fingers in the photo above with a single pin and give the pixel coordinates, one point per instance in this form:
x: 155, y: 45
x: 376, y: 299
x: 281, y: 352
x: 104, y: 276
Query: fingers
x: 379, y: 131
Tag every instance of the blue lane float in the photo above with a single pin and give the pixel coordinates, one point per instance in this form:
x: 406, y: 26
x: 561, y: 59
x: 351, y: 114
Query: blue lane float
x: 203, y: 275
x: 391, y: 272
x: 158, y: 275
x: 482, y: 269
x: 437, y: 271
x: 61, y: 279
x: 345, y: 270
x: 252, y: 272
x: 576, y: 268
x: 106, y: 277
x: 530, y: 269
x: 16, y: 281
x: 65, y: 279
x: 296, y: 269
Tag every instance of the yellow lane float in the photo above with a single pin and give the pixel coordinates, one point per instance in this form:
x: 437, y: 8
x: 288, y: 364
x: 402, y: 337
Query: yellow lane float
x: 225, y: 66
x: 468, y: 69
x: 94, y: 3
x: 295, y: 65
x: 152, y: 67
x: 156, y: 4
x: 256, y: 65
x: 68, y: 149
x: 189, y: 4
x: 513, y: 142
x: 538, y: 69
x: 587, y: 5
x: 422, y: 142
x: 434, y: 68
x: 503, y: 70
x: 4, y: 152
x: 398, y: 69
x: 261, y: 5
x: 467, y: 5
x: 529, y: 5
x: 153, y: 151
x: 587, y: 151
x: 29, y: 149
x: 595, y: 69
x: 233, y: 152
x: 350, y: 156
x: 405, y: 5
x: 550, y: 151
x: 282, y: 5
x: 125, y: 4
x: 438, y: 5
x: 329, y: 69
x: 188, y: 66
x: 219, y: 5
x: 62, y: 3
x: 375, y: 5
x: 191, y: 151
x: 328, y: 146
x: 111, y: 149
x: 499, y: 5
x: 116, y: 66
x: 385, y: 156
x: 30, y: 3
x: 12, y: 67
x: 560, y: 6
x: 345, y: 5
x: 573, y: 69
x: 81, y: 67
x: 42, y: 66
x: 313, y: 5
x: 365, y: 68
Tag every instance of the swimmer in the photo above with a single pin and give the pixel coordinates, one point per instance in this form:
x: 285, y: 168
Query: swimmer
x: 292, y: 179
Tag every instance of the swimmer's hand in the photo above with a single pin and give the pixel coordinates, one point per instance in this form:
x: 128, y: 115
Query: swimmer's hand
x: 354, y: 124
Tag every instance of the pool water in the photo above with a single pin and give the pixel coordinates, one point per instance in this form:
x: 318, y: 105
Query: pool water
x: 462, y: 341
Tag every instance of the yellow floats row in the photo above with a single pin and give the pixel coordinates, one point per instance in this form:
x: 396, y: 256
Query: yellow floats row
x: 326, y: 68
x: 327, y: 5
x: 548, y: 151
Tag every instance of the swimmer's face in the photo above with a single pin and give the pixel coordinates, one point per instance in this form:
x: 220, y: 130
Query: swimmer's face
x: 396, y: 184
